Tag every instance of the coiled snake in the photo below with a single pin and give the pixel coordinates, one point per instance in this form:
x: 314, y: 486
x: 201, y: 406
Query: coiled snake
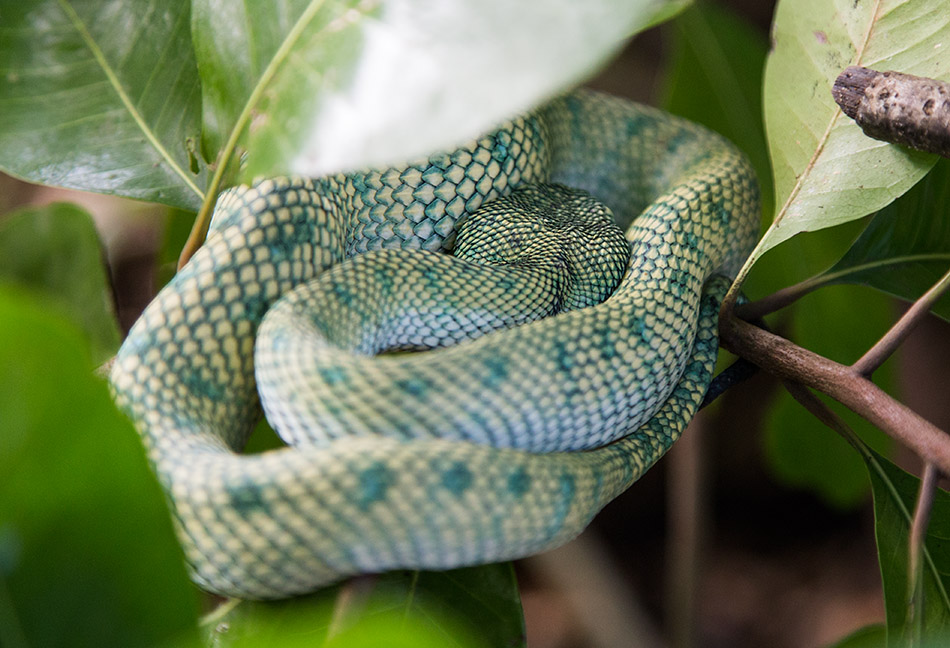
x: 488, y: 450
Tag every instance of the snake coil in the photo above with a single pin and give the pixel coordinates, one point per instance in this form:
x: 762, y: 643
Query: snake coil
x: 485, y: 451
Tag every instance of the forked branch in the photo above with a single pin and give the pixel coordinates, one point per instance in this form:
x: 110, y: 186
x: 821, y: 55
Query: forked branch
x: 788, y: 361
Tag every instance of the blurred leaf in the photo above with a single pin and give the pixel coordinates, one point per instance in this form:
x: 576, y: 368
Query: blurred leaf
x: 339, y: 84
x: 402, y: 631
x: 826, y: 170
x: 178, y: 225
x: 476, y: 606
x: 895, y: 493
x: 485, y: 599
x: 263, y: 438
x: 841, y: 323
x: 55, y: 250
x: 271, y: 623
x: 87, y: 552
x: 102, y: 96
x: 715, y: 79
x: 872, y: 636
x: 664, y: 11
x: 906, y: 247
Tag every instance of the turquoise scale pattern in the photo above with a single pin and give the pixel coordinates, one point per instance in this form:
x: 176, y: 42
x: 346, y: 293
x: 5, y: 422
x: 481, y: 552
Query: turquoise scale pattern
x: 618, y: 381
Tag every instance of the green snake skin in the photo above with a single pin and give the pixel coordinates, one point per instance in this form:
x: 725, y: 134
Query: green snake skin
x: 488, y: 450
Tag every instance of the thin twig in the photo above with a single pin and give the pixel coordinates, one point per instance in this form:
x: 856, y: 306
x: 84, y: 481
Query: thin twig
x: 223, y: 610
x: 782, y: 358
x: 823, y: 413
x: 606, y: 608
x: 739, y: 371
x: 686, y: 530
x: 350, y: 602
x: 884, y: 347
x: 918, y: 532
x: 778, y: 300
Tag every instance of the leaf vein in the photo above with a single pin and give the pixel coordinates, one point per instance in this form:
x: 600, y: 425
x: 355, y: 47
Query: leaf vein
x: 123, y: 96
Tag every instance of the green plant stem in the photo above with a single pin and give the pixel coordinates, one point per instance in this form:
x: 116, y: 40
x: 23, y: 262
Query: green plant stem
x: 915, y: 546
x: 200, y: 229
x: 882, y: 350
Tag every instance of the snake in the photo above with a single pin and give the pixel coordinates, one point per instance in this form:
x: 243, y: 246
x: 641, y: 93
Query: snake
x: 438, y: 417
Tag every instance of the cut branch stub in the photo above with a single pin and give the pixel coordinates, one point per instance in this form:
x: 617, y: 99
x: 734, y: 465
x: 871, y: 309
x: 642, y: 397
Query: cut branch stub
x: 898, y: 108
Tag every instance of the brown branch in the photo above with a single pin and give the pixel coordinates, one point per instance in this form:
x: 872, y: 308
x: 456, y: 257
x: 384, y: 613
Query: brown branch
x: 895, y: 107
x: 823, y: 413
x: 782, y: 358
x: 884, y: 347
x: 687, y: 525
x: 778, y: 300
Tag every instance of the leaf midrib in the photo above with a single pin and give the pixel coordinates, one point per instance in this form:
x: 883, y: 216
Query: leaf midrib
x: 819, y: 149
x: 123, y: 96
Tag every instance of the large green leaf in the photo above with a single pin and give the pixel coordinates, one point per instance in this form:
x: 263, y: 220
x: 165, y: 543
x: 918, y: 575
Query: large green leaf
x: 895, y: 492
x: 101, y: 95
x: 826, y: 170
x: 87, y: 552
x: 476, y: 606
x: 715, y: 79
x: 906, y: 247
x: 55, y: 250
x: 323, y: 85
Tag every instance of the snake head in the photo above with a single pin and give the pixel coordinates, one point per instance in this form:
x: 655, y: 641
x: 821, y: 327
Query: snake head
x: 552, y: 229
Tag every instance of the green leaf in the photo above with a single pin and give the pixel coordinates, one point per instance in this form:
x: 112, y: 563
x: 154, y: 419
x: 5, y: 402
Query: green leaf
x: 102, y: 96
x: 906, y: 247
x: 895, y: 492
x: 664, y: 11
x: 403, y: 631
x: 872, y: 636
x: 178, y: 224
x: 472, y: 607
x: 315, y: 86
x: 841, y: 323
x: 87, y: 552
x: 262, y: 439
x: 55, y: 250
x: 715, y: 78
x: 826, y: 170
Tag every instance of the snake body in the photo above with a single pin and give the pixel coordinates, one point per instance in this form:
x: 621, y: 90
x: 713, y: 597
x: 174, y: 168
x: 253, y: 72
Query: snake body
x: 489, y: 450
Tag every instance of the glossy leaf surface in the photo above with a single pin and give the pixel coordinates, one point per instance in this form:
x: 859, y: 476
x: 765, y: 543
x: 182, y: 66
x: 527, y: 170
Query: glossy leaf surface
x: 101, y: 95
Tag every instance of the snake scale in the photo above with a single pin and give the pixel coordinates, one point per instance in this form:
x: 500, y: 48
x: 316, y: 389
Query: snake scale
x: 487, y: 450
